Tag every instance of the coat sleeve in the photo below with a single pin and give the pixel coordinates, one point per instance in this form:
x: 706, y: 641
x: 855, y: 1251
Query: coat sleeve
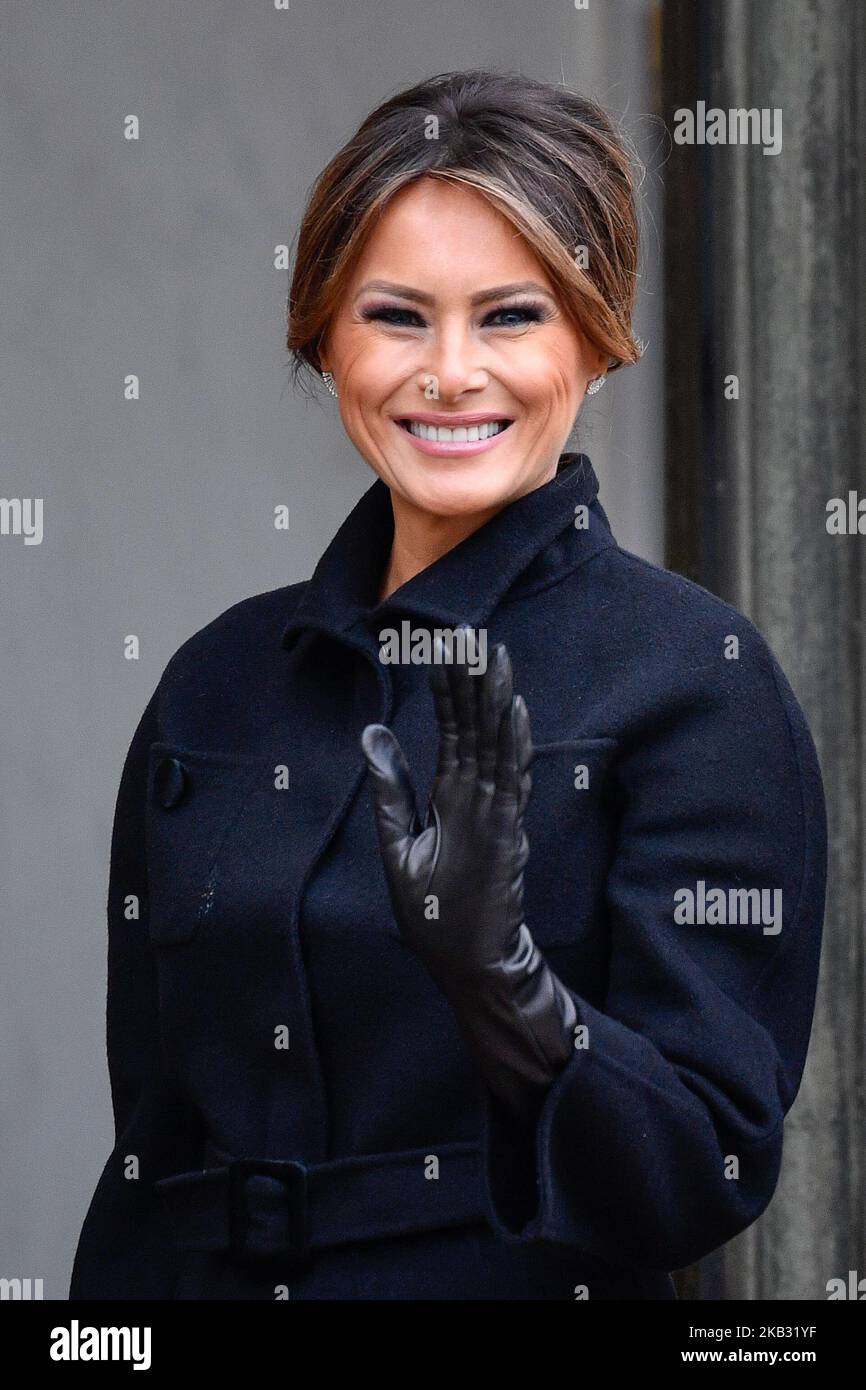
x: 661, y: 1138
x: 124, y: 1250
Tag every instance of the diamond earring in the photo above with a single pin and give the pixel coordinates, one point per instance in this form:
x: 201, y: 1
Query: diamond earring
x: 329, y: 382
x: 595, y: 385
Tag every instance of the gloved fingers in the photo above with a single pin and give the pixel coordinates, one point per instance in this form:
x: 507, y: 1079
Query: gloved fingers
x: 393, y: 795
x: 443, y: 704
x: 469, y: 707
x: 521, y: 858
x: 495, y: 688
x: 513, y: 779
x: 464, y: 699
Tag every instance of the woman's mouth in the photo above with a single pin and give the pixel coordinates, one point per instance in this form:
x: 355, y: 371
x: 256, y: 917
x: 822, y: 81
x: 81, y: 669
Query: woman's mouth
x: 456, y: 440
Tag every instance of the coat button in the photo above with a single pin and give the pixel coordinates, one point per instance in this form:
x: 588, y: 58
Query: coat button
x: 169, y: 782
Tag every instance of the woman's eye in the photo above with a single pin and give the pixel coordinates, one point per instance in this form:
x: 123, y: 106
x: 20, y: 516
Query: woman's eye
x: 390, y: 314
x: 518, y: 314
x: 523, y: 313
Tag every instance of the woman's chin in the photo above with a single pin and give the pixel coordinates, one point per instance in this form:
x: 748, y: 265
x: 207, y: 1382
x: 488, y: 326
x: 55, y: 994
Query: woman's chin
x: 458, y: 486
x: 457, y: 497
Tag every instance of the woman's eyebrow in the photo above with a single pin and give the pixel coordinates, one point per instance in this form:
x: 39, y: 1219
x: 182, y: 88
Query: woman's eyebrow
x: 481, y: 297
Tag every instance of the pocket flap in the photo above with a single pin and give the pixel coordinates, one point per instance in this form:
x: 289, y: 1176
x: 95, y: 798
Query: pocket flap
x: 194, y: 797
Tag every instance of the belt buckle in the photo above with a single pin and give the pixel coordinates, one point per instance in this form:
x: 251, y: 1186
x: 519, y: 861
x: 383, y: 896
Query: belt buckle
x: 271, y: 1231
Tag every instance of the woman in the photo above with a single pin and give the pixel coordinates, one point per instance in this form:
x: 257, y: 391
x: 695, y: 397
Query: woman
x: 540, y: 1044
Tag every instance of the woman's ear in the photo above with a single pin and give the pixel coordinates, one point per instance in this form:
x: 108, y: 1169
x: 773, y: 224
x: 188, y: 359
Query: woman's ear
x: 599, y: 362
x: 594, y: 361
x: 324, y: 351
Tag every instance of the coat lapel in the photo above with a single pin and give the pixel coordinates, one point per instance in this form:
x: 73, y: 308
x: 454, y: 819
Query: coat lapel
x: 464, y: 585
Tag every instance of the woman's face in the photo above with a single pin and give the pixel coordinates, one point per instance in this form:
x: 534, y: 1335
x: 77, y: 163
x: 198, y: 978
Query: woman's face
x: 426, y: 331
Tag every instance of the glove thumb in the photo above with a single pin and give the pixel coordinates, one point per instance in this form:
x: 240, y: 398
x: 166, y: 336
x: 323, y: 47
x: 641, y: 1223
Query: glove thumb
x: 393, y: 796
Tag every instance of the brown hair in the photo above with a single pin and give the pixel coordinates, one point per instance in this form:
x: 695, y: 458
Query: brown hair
x: 549, y: 160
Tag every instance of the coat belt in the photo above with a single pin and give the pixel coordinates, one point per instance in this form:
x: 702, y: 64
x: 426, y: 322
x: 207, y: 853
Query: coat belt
x: 259, y: 1208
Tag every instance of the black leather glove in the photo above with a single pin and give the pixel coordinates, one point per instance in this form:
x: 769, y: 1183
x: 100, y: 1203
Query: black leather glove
x: 456, y: 884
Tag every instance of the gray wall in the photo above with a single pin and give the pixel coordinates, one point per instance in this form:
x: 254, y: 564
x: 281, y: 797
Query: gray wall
x: 156, y: 257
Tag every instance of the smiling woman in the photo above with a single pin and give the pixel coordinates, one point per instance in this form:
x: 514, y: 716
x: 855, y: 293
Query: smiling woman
x: 506, y: 362
x: 360, y: 1050
x: 487, y: 264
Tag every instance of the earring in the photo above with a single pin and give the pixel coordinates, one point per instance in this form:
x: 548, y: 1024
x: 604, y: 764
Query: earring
x: 329, y: 382
x: 595, y: 385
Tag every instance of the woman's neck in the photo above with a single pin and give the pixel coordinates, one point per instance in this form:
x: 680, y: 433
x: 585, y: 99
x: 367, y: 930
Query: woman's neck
x: 420, y: 539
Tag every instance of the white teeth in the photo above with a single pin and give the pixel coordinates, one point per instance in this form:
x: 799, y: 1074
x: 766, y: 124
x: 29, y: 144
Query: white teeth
x: 463, y: 434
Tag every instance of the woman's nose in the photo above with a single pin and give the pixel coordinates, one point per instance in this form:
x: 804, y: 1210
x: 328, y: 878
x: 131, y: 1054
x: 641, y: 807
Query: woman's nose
x: 456, y: 361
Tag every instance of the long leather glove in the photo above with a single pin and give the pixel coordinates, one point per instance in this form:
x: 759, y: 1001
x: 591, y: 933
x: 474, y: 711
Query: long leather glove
x: 456, y: 884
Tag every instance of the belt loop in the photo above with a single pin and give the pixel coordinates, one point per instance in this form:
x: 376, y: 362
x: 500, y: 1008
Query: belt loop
x: 258, y: 1208
x: 267, y: 1210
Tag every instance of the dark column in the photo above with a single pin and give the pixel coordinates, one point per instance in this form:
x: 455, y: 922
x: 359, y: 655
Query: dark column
x: 766, y: 284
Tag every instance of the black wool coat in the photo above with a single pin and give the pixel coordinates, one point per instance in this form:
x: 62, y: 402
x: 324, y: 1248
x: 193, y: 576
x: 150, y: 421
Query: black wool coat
x: 296, y: 1114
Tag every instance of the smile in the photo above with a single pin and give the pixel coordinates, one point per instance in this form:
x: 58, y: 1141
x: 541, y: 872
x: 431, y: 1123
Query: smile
x: 460, y: 434
x: 454, y: 440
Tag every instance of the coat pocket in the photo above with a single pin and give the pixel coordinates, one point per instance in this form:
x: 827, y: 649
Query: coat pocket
x: 194, y: 799
x: 569, y: 822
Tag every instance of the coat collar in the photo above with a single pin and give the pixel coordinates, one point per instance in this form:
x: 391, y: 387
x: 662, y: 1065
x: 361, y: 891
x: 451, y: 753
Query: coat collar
x: 465, y: 584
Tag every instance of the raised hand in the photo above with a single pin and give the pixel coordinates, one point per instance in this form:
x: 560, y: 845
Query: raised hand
x: 456, y: 882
